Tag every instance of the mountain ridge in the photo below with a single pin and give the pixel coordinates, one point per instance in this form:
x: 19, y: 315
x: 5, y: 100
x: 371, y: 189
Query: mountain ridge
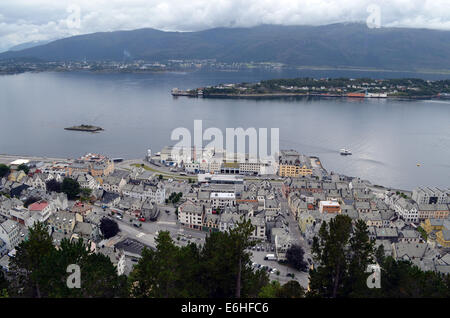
x: 337, y: 45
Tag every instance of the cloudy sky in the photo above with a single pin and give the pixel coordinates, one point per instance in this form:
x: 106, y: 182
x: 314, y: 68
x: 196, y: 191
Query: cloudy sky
x: 39, y: 20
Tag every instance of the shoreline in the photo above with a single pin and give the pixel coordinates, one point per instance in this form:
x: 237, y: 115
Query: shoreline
x: 7, y: 158
x: 301, y: 95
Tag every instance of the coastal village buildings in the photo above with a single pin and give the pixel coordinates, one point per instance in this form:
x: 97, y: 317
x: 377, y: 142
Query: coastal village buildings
x: 191, y: 215
x: 292, y: 164
x: 427, y: 195
x: 285, y: 205
x: 41, y: 210
x: 329, y: 207
x: 94, y: 164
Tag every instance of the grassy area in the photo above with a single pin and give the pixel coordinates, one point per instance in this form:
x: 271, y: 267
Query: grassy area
x: 174, y: 176
x: 164, y: 174
x: 423, y: 233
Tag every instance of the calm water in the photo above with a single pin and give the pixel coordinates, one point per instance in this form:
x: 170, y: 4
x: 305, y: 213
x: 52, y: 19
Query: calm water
x: 388, y: 138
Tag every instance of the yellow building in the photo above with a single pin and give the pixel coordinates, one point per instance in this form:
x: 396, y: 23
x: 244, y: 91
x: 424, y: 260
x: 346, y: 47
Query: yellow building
x: 430, y: 225
x: 96, y: 169
x: 288, y: 170
x: 440, y: 227
x: 293, y: 164
x: 443, y: 237
x: 16, y: 176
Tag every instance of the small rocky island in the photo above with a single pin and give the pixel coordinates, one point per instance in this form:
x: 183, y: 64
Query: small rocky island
x: 88, y: 128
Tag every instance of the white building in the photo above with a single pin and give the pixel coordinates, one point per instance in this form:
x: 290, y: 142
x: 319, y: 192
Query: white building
x: 113, y: 184
x: 10, y: 233
x: 407, y: 209
x: 87, y: 181
x: 40, y: 210
x: 144, y: 192
x: 260, y: 227
x: 428, y: 195
x: 222, y: 199
x: 38, y: 182
x: 192, y: 167
x: 191, y: 215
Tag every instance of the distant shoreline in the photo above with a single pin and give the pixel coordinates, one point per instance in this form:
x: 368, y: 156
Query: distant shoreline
x: 301, y: 95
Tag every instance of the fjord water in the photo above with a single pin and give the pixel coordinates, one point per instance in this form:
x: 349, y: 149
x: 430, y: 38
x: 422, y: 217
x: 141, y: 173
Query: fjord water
x: 388, y: 138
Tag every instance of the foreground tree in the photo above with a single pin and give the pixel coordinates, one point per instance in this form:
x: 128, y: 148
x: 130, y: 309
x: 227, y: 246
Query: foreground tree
x: 24, y: 168
x: 3, y: 284
x: 30, y: 201
x: 109, y: 228
x: 221, y: 268
x: 100, y: 279
x: 70, y: 187
x: 271, y: 290
x: 295, y: 258
x: 342, y: 254
x: 402, y: 279
x: 291, y: 289
x: 85, y: 194
x: 167, y: 272
x: 227, y: 264
x: 240, y: 236
x: 53, y: 186
x: 361, y: 255
x: 29, y: 262
x: 4, y: 170
x: 40, y: 270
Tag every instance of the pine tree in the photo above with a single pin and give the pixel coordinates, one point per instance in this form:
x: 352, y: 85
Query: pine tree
x: 29, y: 261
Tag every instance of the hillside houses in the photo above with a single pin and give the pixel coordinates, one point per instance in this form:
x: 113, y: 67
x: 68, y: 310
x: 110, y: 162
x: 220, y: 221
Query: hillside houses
x: 278, y: 206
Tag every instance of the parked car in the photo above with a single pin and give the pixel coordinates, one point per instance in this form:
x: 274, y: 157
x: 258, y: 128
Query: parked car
x: 270, y: 257
x: 142, y: 219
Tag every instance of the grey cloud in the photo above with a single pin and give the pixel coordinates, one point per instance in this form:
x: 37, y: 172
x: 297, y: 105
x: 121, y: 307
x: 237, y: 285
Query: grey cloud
x: 23, y: 20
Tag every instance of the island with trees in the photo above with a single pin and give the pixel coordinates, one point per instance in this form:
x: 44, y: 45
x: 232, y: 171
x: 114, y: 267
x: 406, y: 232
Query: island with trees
x: 88, y: 128
x: 407, y: 88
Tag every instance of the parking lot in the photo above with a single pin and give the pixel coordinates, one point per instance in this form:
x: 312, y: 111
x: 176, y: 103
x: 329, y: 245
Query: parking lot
x: 284, y: 270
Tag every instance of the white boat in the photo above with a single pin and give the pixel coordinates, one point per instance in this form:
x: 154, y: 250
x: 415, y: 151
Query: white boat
x: 376, y: 95
x: 345, y: 152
